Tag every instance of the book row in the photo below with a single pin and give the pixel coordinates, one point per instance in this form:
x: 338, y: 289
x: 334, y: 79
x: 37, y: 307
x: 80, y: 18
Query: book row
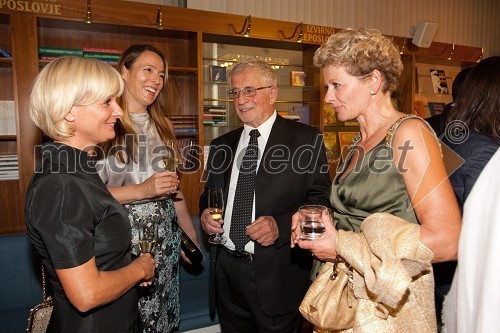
x: 107, y: 55
x: 7, y: 118
x: 9, y: 167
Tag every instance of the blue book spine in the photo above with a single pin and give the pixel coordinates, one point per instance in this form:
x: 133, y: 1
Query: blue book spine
x: 4, y: 53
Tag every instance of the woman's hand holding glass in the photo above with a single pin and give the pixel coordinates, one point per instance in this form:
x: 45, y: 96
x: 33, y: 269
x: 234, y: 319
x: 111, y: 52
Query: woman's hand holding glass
x: 146, y: 262
x: 324, y: 247
x: 170, y: 160
x: 159, y: 184
x: 164, y: 181
x: 148, y: 234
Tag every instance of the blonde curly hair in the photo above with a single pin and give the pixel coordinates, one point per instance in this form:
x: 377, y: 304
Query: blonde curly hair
x: 360, y: 51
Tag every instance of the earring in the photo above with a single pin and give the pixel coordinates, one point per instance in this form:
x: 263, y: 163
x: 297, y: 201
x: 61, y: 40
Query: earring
x: 372, y: 92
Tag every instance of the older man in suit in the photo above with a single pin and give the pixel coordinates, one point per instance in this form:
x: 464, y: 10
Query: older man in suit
x: 259, y: 280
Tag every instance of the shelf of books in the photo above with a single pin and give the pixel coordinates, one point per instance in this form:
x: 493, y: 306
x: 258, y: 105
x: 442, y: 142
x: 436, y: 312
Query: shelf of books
x: 184, y: 125
x: 11, y: 219
x: 7, y: 119
x: 9, y: 168
x: 106, y: 41
x: 215, y: 115
x: 7, y: 104
x: 110, y: 56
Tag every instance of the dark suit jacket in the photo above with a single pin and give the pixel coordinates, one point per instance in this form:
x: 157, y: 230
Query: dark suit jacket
x: 476, y: 150
x: 293, y: 171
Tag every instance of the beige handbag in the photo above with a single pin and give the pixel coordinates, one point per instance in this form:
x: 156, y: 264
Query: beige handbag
x: 39, y: 318
x: 329, y: 303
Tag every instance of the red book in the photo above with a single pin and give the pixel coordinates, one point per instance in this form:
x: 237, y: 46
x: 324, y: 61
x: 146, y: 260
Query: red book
x: 99, y: 50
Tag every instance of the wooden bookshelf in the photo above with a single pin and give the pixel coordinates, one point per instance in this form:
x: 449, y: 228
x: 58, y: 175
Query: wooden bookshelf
x: 116, y: 24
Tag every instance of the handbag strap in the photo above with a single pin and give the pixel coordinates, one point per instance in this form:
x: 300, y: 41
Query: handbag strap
x: 335, y: 271
x: 44, y: 290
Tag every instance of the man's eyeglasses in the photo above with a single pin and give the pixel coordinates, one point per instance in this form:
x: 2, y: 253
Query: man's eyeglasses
x: 247, y: 91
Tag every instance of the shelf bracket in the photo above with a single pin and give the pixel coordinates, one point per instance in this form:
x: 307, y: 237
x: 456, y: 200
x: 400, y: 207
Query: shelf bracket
x: 480, y: 54
x: 300, y: 30
x: 403, y: 48
x: 446, y: 48
x: 88, y: 17
x: 159, y: 19
x: 247, y: 24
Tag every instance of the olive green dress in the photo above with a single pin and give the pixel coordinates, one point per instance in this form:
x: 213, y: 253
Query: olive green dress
x: 374, y: 185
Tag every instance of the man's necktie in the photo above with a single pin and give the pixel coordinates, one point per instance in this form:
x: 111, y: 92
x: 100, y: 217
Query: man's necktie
x: 243, y: 197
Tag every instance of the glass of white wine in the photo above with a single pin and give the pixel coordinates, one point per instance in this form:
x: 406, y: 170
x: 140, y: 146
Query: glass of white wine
x: 216, y: 208
x: 148, y: 232
x: 170, y: 159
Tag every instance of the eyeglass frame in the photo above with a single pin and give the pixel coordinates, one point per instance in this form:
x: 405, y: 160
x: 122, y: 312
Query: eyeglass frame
x: 251, y: 91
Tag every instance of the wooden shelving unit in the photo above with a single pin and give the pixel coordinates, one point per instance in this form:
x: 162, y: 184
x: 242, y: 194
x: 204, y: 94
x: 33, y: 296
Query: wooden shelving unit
x: 116, y: 24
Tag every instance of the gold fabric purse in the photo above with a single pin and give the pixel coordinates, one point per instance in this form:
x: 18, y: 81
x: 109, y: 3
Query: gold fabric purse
x: 329, y: 303
x: 39, y: 318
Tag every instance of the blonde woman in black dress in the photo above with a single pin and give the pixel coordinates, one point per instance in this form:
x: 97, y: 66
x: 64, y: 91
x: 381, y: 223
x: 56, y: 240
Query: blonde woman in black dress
x: 81, y: 233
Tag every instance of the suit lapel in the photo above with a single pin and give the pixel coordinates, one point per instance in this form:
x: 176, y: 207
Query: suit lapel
x: 278, y: 136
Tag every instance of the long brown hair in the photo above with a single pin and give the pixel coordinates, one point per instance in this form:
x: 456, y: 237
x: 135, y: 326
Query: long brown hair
x: 478, y: 101
x: 157, y: 111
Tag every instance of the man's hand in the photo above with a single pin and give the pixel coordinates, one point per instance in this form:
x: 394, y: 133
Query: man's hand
x: 210, y: 225
x: 264, y: 230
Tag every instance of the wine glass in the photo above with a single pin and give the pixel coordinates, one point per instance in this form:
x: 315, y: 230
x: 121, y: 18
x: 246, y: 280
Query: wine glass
x: 148, y: 232
x: 170, y: 159
x: 216, y: 208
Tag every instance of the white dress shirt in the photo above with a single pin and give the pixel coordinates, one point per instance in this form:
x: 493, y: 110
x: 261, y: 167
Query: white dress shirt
x: 474, y: 298
x: 265, y: 131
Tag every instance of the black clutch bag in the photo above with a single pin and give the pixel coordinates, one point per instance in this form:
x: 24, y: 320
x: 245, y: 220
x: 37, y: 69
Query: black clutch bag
x: 191, y: 250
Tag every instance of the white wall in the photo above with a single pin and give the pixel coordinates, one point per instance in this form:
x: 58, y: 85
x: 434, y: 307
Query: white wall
x: 464, y: 22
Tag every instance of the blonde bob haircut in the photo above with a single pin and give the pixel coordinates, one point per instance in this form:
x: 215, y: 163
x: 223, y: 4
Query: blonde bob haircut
x: 68, y: 82
x: 360, y: 52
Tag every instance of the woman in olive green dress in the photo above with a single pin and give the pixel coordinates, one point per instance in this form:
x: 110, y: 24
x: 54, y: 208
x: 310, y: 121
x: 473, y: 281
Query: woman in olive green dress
x: 394, y: 164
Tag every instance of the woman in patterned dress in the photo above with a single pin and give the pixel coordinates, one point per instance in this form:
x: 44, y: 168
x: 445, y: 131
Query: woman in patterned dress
x: 134, y: 173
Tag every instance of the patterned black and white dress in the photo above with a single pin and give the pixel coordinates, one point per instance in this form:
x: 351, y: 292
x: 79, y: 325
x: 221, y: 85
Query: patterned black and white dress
x: 159, y: 303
